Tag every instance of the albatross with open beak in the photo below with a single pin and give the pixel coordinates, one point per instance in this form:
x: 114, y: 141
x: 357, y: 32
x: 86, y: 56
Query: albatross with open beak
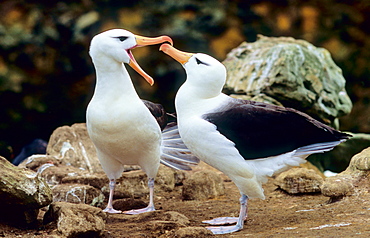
x: 246, y: 140
x: 124, y: 129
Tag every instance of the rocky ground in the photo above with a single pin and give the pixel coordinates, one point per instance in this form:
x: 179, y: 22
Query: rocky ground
x: 280, y: 215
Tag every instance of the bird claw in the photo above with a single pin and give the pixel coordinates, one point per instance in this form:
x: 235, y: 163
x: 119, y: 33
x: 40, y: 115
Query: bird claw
x: 139, y: 211
x: 222, y: 221
x: 111, y: 210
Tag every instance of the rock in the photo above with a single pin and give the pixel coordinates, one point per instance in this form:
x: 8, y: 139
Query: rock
x: 309, y: 165
x: 78, y: 193
x: 176, y: 217
x: 338, y: 186
x: 294, y: 72
x: 76, y: 220
x: 161, y: 222
x: 258, y: 98
x: 34, y: 162
x: 71, y: 145
x: 55, y: 174
x: 338, y: 159
x: 180, y: 177
x: 130, y: 184
x: 192, y: 232
x: 167, y: 178
x: 157, y: 222
x: 203, y: 185
x: 299, y: 180
x: 22, y: 193
x: 135, y: 183
x: 360, y: 164
x: 95, y: 180
x: 351, y: 181
x: 162, y: 227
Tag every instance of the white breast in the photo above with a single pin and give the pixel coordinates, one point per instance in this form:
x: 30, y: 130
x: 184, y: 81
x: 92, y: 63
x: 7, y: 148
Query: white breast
x: 126, y: 132
x: 205, y: 142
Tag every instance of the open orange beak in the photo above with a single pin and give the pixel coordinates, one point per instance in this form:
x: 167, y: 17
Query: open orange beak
x: 143, y: 41
x: 179, y: 56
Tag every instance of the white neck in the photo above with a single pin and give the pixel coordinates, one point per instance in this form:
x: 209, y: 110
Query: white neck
x: 190, y: 101
x: 110, y: 76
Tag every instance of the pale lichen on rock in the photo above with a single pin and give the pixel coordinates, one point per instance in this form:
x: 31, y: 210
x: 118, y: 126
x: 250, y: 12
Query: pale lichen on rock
x: 299, y: 180
x: 293, y: 72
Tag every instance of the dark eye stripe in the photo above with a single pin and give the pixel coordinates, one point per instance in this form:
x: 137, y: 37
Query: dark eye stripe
x: 122, y: 38
x: 200, y: 62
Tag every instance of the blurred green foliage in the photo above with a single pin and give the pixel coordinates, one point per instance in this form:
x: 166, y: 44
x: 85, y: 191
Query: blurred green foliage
x: 47, y: 78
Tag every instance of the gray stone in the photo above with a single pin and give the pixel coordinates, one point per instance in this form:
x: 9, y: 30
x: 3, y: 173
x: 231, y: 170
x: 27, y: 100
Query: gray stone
x: 78, y: 193
x: 360, y: 163
x: 161, y: 222
x: 76, y: 220
x: 130, y: 184
x: 34, y: 162
x: 177, y: 217
x: 193, y: 232
x: 354, y: 180
x: 166, y: 178
x: 22, y: 193
x: 294, y: 72
x: 161, y: 227
x: 96, y: 180
x: 71, y: 145
x: 338, y: 159
x: 55, y: 174
x: 258, y: 98
x: 299, y: 180
x: 203, y: 185
x: 338, y: 186
x: 135, y: 183
x: 180, y: 177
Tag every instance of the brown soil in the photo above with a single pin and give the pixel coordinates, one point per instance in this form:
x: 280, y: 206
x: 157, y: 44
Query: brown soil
x: 280, y: 215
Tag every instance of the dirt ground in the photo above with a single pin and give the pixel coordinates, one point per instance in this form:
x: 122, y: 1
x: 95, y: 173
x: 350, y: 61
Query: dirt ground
x: 280, y: 215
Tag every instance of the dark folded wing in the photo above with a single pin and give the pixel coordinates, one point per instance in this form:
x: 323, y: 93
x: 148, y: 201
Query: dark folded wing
x: 260, y: 130
x: 158, y: 112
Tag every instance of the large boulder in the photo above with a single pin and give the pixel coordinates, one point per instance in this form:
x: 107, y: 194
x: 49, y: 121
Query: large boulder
x: 354, y: 180
x: 203, y: 185
x: 22, y: 193
x: 78, y: 193
x: 293, y: 72
x: 76, y: 220
x: 71, y: 145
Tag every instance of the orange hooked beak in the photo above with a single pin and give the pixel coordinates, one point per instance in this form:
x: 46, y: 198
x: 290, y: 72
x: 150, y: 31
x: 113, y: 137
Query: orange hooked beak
x: 143, y: 41
x: 180, y: 56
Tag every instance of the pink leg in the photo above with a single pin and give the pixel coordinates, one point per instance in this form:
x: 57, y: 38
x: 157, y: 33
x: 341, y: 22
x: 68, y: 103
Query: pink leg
x: 109, y: 208
x: 228, y: 220
x: 150, y: 207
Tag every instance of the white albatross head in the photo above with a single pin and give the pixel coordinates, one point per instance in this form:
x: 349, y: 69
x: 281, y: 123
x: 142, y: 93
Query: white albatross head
x: 117, y: 45
x: 203, y: 71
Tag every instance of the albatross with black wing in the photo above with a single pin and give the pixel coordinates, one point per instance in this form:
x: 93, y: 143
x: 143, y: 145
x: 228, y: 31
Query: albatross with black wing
x: 125, y: 129
x: 246, y: 140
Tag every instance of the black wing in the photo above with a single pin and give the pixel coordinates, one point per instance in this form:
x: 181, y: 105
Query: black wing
x: 260, y: 130
x: 158, y: 112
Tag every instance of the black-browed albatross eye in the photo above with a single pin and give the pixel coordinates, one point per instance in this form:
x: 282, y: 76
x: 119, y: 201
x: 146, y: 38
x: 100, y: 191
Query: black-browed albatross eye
x: 200, y: 62
x: 122, y: 38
